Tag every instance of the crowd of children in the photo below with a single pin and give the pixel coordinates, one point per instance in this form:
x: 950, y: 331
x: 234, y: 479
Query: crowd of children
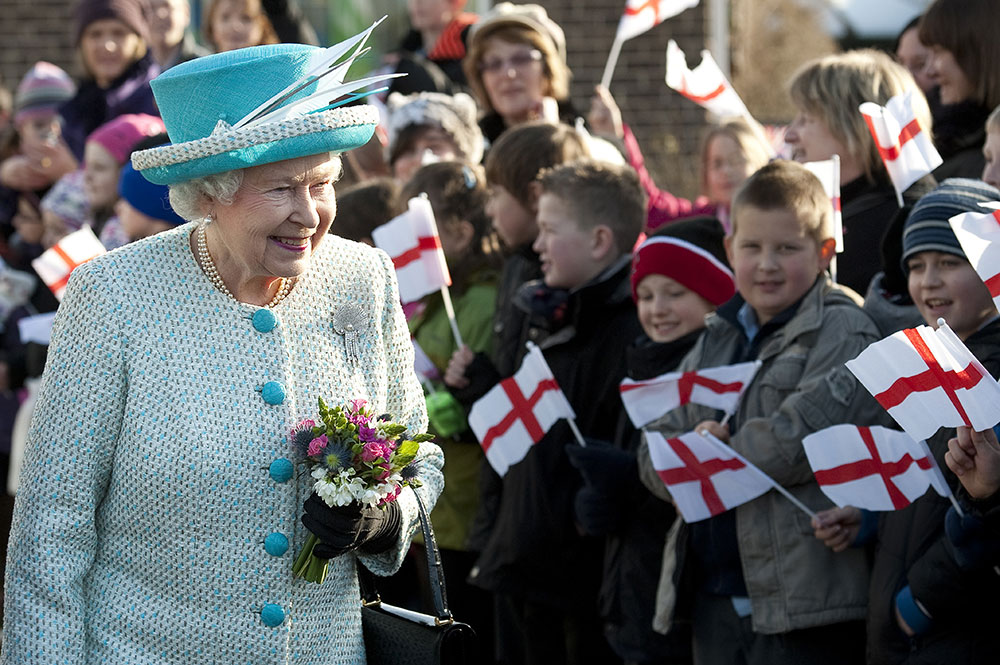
x: 576, y: 554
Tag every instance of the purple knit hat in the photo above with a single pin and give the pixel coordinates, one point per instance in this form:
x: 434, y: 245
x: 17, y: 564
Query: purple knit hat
x: 119, y: 136
x: 130, y: 12
x: 42, y: 90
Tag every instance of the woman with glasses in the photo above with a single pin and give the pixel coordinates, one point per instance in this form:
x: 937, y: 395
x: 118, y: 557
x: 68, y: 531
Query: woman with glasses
x: 516, y: 66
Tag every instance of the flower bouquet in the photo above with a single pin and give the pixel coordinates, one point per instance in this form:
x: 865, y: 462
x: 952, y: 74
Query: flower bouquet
x: 353, y: 456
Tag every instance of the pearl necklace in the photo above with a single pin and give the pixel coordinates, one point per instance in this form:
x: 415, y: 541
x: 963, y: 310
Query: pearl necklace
x: 208, y: 266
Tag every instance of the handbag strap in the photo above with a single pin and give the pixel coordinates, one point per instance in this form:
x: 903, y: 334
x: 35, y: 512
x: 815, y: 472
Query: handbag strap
x: 439, y: 596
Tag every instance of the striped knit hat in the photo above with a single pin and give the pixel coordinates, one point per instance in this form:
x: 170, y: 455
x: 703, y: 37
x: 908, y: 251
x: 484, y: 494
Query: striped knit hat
x: 42, y: 90
x: 927, y: 228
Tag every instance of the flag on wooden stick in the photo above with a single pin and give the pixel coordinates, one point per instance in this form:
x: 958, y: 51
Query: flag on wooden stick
x: 515, y: 414
x: 56, y: 263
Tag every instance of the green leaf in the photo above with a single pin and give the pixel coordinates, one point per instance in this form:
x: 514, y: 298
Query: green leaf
x: 392, y: 430
x: 426, y: 436
x: 407, y: 448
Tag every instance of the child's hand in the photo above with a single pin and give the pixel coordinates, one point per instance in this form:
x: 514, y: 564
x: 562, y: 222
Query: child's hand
x: 454, y: 376
x: 837, y: 527
x: 715, y: 429
x: 19, y: 173
x: 53, y: 158
x: 975, y: 458
x: 605, y: 118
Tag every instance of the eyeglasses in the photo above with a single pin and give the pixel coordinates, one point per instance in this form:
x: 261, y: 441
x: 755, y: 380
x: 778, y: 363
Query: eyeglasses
x: 518, y: 61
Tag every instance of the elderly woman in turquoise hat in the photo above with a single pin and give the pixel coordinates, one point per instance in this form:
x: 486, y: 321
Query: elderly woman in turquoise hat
x: 159, y: 510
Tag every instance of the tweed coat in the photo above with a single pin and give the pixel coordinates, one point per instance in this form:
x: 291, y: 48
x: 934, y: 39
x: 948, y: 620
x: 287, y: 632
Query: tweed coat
x: 158, y: 515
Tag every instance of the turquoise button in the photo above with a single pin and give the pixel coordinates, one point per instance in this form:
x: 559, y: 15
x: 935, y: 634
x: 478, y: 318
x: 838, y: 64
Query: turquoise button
x: 272, y: 615
x: 273, y: 393
x: 264, y: 320
x: 276, y: 544
x: 281, y: 470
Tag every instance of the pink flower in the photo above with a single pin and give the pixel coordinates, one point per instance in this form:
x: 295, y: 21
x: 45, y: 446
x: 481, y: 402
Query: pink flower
x: 317, y: 445
x: 391, y: 497
x: 366, y: 433
x: 384, y: 475
x: 371, y: 452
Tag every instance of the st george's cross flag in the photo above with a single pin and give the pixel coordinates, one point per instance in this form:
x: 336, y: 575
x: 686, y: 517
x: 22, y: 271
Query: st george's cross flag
x: 828, y: 172
x: 906, y: 148
x: 642, y: 15
x: 56, y: 263
x: 715, y: 387
x: 874, y: 468
x: 413, y: 243
x: 704, y: 478
x: 705, y: 84
x: 979, y: 235
x: 927, y: 379
x: 516, y: 413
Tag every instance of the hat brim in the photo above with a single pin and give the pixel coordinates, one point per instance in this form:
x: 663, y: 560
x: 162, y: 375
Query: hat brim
x: 337, y: 130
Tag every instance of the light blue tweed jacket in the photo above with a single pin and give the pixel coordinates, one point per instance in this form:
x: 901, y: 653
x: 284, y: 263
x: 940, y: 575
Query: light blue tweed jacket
x: 155, y: 470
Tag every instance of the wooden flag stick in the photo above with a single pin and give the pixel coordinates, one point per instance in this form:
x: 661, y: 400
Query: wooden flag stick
x: 708, y: 436
x: 450, y: 311
x: 609, y: 66
x: 576, y: 432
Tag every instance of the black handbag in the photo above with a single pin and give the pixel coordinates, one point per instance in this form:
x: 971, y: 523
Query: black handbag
x: 396, y: 636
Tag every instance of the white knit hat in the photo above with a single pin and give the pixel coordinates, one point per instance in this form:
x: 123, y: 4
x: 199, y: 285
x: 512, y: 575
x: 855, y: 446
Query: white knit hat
x: 455, y: 114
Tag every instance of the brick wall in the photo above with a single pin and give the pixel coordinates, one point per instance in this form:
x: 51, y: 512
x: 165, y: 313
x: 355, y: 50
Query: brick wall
x: 668, y: 126
x: 32, y: 30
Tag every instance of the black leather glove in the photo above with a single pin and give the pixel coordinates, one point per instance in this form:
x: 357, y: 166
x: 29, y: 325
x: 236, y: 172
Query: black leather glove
x: 608, y: 474
x: 343, y: 529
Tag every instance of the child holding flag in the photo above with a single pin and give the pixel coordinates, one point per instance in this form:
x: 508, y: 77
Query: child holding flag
x: 457, y: 194
x: 923, y: 606
x: 544, y: 573
x: 755, y: 584
x: 679, y: 276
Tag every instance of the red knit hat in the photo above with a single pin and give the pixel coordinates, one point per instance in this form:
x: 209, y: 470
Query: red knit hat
x: 685, y: 263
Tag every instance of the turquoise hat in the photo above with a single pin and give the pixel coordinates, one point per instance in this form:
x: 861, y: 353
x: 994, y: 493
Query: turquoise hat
x: 256, y: 106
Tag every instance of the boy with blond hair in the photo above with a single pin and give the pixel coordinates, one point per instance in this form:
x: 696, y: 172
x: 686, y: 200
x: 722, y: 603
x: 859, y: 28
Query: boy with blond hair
x: 544, y: 573
x: 757, y: 587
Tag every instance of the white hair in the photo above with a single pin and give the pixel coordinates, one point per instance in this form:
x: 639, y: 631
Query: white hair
x: 190, y: 199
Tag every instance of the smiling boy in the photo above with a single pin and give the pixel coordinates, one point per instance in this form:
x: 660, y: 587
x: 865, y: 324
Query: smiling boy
x: 928, y: 605
x: 582, y: 317
x: 752, y: 580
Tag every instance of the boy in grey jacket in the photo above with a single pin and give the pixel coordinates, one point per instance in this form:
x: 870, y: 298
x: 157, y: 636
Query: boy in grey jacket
x: 756, y: 585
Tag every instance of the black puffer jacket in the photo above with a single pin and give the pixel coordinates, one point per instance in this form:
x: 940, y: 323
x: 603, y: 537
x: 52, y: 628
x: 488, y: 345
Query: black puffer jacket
x: 534, y: 550
x: 913, y: 550
x: 633, y: 553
